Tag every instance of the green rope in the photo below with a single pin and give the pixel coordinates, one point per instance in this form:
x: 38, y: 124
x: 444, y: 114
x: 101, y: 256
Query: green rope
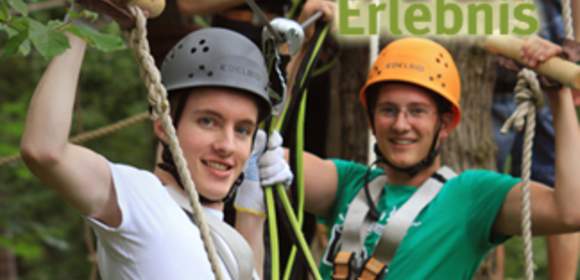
x: 299, y: 179
x: 273, y: 230
x: 296, y: 226
x: 294, y: 222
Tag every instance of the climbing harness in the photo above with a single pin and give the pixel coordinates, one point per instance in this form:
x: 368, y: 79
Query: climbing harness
x: 240, y: 263
x: 352, y: 260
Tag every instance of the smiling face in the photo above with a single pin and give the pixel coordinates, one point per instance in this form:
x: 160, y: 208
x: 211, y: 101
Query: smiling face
x: 405, y: 122
x: 215, y: 132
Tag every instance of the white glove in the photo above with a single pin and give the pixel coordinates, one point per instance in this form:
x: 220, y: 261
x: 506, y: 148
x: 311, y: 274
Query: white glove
x: 250, y: 196
x: 273, y: 167
x: 263, y: 168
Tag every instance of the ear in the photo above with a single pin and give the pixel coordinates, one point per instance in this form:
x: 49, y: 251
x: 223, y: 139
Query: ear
x: 159, y: 131
x: 446, y: 119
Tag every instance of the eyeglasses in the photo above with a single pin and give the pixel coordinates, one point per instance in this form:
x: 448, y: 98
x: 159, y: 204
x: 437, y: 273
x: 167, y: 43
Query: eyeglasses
x: 411, y: 113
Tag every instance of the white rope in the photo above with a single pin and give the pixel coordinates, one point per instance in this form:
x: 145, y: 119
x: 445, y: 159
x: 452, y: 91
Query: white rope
x: 158, y: 99
x: 528, y: 98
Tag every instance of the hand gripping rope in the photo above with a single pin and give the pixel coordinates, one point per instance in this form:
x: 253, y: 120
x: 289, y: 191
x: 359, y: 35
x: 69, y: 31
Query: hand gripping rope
x: 157, y: 97
x: 529, y: 98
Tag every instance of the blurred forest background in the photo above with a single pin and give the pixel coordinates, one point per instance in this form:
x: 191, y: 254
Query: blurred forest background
x: 39, y: 234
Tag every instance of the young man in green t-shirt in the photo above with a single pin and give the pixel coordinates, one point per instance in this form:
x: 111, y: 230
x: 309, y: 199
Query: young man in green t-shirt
x: 412, y: 99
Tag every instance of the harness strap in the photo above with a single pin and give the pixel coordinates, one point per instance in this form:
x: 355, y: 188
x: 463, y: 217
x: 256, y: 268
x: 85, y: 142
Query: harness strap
x: 241, y: 266
x: 398, y: 224
x: 356, y: 216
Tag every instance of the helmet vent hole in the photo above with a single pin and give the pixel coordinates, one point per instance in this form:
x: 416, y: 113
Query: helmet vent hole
x: 205, y: 49
x: 210, y: 73
x: 431, y: 78
x: 193, y: 50
x: 202, y: 41
x: 446, y: 65
x: 438, y: 76
x: 438, y: 60
x: 440, y: 55
x: 172, y: 56
x: 180, y: 46
x: 190, y: 75
x: 202, y: 67
x: 443, y: 85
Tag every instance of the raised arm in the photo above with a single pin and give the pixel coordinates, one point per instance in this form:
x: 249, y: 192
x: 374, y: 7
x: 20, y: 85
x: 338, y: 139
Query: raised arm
x: 553, y: 211
x: 79, y: 175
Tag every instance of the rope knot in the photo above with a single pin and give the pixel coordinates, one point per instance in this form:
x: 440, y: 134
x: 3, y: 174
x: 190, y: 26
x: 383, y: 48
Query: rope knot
x: 529, y: 97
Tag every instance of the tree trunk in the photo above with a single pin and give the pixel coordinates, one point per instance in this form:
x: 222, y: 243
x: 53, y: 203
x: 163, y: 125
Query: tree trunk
x: 348, y: 132
x: 8, y: 269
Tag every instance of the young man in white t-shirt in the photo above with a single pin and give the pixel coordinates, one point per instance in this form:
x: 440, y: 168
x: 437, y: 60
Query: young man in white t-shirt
x: 217, y: 83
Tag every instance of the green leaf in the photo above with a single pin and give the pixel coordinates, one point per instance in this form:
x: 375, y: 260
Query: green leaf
x: 55, y: 24
x: 48, y: 42
x: 14, y: 44
x: 4, y: 11
x: 20, y: 24
x: 19, y: 6
x: 25, y: 48
x: 89, y: 15
x: 96, y: 39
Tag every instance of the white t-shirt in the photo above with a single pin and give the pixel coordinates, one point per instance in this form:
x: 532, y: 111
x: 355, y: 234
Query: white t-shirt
x: 155, y: 240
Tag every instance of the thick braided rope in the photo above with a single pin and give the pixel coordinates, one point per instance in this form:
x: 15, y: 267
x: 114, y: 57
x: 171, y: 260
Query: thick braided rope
x: 93, y: 134
x: 9, y: 159
x: 567, y: 19
x: 158, y: 99
x: 109, y: 129
x: 528, y: 97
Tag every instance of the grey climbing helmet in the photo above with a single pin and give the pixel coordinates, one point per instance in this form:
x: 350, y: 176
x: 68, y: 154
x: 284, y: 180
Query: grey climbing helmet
x: 218, y: 57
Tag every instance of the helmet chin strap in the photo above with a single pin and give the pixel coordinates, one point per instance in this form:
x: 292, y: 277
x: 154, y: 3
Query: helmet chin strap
x: 417, y: 167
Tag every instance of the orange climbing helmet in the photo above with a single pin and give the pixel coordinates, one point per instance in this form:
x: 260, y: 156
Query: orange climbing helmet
x: 420, y: 62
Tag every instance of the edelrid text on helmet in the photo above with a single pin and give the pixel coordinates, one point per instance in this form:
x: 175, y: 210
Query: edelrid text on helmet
x: 218, y: 57
x: 420, y: 62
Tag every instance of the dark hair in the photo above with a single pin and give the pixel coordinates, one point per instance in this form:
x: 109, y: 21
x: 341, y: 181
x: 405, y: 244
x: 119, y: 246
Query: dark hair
x: 177, y: 100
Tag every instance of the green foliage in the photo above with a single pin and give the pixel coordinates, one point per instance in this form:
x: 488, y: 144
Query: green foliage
x: 47, y: 36
x: 46, y: 235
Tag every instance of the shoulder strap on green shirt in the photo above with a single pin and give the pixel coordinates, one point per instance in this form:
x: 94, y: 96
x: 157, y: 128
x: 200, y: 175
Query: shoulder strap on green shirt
x: 356, y: 222
x: 356, y: 216
x: 399, y: 223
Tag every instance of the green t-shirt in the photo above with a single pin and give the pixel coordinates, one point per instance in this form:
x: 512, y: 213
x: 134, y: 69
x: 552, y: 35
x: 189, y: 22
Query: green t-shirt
x: 447, y: 240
